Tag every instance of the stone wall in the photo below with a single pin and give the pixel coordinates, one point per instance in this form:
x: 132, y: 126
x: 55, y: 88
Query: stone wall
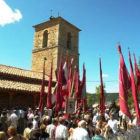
x: 38, y: 59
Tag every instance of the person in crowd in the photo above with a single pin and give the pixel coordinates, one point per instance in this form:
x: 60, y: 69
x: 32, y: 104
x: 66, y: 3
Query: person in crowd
x: 43, y: 134
x: 30, y: 115
x: 27, y: 131
x: 45, y: 118
x: 35, y: 122
x: 113, y: 123
x: 21, y: 120
x: 4, y: 120
x: 50, y: 129
x: 61, y: 130
x: 81, y: 133
x: 35, y: 134
x: 2, y: 133
x: 14, y: 119
x: 71, y: 130
x: 98, y: 135
x: 12, y: 132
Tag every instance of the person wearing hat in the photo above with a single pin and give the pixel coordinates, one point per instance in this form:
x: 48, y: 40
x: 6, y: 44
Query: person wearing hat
x: 113, y: 123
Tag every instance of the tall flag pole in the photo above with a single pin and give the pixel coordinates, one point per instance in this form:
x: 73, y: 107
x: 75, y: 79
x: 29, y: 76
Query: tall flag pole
x: 69, y: 83
x: 137, y: 72
x: 41, y: 101
x: 84, y: 93
x: 49, y: 102
x: 102, y: 100
x: 59, y: 88
x: 124, y: 85
x: 134, y: 90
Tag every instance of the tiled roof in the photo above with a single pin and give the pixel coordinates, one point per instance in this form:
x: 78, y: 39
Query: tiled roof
x: 8, y: 70
x: 19, y: 86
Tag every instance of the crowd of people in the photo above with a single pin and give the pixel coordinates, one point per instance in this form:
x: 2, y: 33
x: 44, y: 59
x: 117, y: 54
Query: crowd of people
x: 19, y: 124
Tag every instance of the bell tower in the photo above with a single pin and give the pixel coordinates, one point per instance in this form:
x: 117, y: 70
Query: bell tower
x: 53, y: 38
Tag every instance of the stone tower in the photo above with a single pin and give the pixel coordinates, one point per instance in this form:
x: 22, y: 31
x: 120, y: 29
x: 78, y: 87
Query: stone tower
x: 53, y: 38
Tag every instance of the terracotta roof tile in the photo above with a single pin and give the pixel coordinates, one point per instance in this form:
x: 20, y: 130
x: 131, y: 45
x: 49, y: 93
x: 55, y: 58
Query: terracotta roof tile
x: 21, y: 72
x: 19, y: 86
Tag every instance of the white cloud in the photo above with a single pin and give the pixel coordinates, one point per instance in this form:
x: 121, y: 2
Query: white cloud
x: 7, y: 15
x: 105, y: 75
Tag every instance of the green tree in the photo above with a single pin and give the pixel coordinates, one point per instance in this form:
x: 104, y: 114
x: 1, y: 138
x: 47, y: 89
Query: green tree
x: 89, y: 99
x: 97, y: 92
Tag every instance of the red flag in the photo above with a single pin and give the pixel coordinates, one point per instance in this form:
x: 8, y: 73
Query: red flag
x: 49, y: 102
x: 41, y: 101
x: 124, y: 85
x: 77, y: 84
x: 84, y: 93
x: 79, y: 96
x: 59, y: 88
x: 137, y: 72
x: 69, y: 83
x: 134, y: 89
x: 64, y: 79
x: 102, y: 100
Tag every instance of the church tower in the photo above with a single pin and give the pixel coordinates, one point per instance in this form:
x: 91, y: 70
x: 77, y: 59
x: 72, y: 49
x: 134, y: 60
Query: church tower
x: 53, y: 38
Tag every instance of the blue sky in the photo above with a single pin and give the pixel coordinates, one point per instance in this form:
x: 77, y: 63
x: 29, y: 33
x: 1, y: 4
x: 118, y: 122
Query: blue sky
x: 104, y: 23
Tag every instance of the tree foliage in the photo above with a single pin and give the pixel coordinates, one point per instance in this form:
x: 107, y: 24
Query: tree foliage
x: 89, y: 99
x: 97, y: 92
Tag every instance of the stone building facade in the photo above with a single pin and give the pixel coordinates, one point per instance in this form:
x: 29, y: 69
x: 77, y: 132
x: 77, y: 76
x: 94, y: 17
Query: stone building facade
x: 52, y: 39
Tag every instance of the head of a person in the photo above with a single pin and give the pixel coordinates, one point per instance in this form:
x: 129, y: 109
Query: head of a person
x: 97, y: 131
x: 45, y: 112
x: 54, y: 121
x: 30, y: 125
x: 12, y: 131
x: 37, y: 118
x: 82, y: 124
x: 36, y: 133
x: 42, y: 128
x: 15, y: 111
x: 112, y: 115
x: 61, y: 121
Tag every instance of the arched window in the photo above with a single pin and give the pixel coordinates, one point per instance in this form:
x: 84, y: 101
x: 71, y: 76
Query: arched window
x: 45, y: 39
x: 69, y: 41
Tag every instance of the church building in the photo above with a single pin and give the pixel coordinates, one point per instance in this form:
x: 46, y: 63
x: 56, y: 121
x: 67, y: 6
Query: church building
x: 53, y: 38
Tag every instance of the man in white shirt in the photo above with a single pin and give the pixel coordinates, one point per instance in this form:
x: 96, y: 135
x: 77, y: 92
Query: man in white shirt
x: 61, y: 131
x: 14, y: 119
x: 113, y: 123
x: 50, y: 129
x: 81, y: 133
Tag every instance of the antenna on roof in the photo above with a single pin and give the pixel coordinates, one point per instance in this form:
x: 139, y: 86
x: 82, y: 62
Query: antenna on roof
x: 59, y: 13
x: 51, y: 13
x: 51, y: 17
